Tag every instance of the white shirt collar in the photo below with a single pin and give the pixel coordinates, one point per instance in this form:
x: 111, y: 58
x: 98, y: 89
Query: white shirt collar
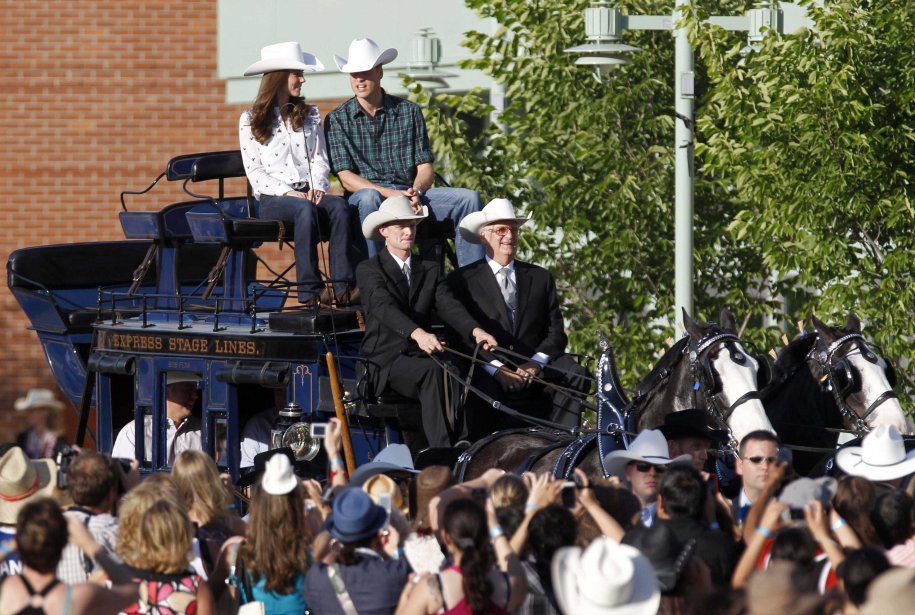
x: 496, y: 267
x: 399, y: 262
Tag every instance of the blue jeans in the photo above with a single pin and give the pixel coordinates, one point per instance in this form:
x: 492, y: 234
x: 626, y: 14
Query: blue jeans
x: 444, y: 203
x: 304, y: 215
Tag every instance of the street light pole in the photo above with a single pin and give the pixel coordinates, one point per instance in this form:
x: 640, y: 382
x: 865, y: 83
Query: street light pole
x: 684, y: 97
x: 604, y: 25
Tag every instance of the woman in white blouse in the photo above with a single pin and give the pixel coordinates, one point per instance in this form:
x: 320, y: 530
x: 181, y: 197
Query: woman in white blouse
x: 285, y: 157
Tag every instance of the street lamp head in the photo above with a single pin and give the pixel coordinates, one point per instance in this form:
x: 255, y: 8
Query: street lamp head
x: 603, y: 51
x: 426, y: 54
x: 764, y: 18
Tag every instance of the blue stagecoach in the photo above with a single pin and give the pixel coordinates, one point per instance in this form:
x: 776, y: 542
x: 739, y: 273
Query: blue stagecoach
x: 180, y: 294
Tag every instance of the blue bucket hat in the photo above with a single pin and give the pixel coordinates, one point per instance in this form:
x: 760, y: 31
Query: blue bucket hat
x: 355, y: 516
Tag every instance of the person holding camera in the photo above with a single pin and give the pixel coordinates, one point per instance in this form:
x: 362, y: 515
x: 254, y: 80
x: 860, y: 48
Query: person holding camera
x: 92, y: 482
x: 282, y: 148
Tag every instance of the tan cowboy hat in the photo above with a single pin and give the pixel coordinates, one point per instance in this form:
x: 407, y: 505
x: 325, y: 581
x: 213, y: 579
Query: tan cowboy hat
x: 284, y: 56
x: 38, y: 398
x: 382, y: 483
x: 22, y: 481
x: 607, y: 577
x: 881, y: 456
x: 891, y: 592
x: 649, y: 447
x: 394, y: 209
x: 364, y: 54
x: 497, y: 210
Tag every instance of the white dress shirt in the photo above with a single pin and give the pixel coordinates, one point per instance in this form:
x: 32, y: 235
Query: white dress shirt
x: 256, y: 436
x: 184, y: 437
x: 289, y: 159
x: 539, y: 357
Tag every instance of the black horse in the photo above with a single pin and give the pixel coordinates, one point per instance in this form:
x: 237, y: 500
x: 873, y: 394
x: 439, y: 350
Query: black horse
x: 825, y: 382
x: 708, y: 368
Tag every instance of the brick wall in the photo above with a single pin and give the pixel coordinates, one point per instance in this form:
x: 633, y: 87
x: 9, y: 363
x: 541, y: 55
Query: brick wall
x: 95, y: 97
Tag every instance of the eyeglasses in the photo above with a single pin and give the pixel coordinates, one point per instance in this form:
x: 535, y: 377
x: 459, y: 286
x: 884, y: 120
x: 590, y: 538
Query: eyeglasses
x: 502, y: 231
x: 758, y: 459
x: 645, y: 468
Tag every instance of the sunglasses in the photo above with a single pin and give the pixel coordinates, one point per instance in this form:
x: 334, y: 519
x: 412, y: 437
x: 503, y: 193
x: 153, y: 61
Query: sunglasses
x: 502, y: 231
x: 644, y: 468
x: 757, y: 460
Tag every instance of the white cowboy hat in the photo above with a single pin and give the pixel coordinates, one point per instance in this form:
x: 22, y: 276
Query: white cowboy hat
x: 649, y: 447
x: 881, y: 456
x: 607, y: 577
x: 394, y: 208
x: 278, y: 479
x: 364, y: 54
x: 497, y: 210
x: 284, y: 56
x: 23, y: 480
x: 38, y: 398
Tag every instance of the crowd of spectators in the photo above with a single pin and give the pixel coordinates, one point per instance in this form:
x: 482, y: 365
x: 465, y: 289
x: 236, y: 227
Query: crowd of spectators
x: 658, y: 536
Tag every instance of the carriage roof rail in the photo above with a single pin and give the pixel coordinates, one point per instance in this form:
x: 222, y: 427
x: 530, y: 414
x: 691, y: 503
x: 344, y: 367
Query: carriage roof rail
x: 198, y: 167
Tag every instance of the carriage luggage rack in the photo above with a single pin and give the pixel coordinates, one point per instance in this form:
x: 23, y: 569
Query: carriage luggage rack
x: 263, y: 306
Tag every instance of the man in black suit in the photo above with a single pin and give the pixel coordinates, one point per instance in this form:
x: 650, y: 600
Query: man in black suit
x: 517, y: 303
x: 400, y: 293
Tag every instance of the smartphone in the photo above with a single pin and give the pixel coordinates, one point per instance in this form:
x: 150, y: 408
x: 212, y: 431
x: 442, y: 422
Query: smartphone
x: 384, y: 500
x: 569, y: 496
x: 319, y: 430
x: 796, y: 513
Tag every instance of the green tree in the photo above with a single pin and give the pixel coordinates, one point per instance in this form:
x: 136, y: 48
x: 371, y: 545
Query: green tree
x: 594, y: 163
x: 813, y: 135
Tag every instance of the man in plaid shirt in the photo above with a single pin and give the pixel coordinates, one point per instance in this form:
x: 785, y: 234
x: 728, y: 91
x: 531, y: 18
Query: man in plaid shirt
x: 379, y: 147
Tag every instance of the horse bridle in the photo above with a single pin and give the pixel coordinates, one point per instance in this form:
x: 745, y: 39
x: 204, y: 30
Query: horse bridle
x: 712, y: 404
x: 824, y: 357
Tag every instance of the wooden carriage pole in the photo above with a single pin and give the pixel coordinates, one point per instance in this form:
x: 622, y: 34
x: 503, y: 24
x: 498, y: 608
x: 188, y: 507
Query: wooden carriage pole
x: 337, y: 392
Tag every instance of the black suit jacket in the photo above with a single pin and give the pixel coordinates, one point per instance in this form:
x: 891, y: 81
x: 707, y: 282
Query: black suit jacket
x: 538, y: 325
x: 393, y: 310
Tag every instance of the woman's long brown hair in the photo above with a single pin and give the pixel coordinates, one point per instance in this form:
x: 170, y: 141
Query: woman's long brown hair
x: 276, y: 539
x: 262, y: 117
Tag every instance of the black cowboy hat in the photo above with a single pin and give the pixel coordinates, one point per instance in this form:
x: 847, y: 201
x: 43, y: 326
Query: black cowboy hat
x: 690, y: 423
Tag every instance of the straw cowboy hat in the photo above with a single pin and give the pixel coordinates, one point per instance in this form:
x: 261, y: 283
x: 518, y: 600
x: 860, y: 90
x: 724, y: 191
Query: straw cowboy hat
x: 382, y: 483
x: 38, y: 398
x: 394, y: 209
x: 891, y: 592
x: 649, y: 447
x: 364, y: 54
x: 881, y: 456
x: 284, y: 56
x: 22, y: 481
x: 497, y: 210
x: 605, y: 578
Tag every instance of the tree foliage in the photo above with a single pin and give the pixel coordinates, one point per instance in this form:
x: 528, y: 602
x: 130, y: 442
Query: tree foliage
x: 802, y: 175
x: 814, y: 134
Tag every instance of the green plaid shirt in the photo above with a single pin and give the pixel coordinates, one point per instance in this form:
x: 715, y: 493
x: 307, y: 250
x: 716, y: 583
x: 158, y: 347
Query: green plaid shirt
x: 385, y: 149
